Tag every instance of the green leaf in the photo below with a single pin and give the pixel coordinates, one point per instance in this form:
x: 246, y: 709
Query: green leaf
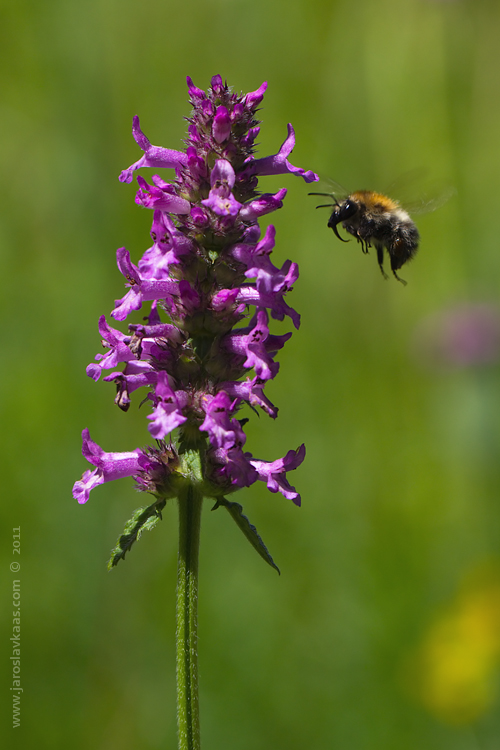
x: 236, y: 512
x: 143, y: 519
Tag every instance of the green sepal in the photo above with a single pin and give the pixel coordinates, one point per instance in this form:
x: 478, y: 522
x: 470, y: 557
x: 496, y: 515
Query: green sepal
x: 143, y: 519
x: 235, y: 510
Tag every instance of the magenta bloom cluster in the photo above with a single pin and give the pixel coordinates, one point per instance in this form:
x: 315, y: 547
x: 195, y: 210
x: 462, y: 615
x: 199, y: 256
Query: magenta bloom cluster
x: 204, y: 348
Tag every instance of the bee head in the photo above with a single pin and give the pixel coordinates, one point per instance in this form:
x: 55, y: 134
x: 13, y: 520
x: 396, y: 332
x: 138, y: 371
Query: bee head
x: 342, y: 212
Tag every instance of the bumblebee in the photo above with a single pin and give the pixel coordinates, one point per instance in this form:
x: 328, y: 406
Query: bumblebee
x: 376, y: 221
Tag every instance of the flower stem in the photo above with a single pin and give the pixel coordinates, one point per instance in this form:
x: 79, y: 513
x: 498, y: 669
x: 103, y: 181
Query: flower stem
x: 188, y: 718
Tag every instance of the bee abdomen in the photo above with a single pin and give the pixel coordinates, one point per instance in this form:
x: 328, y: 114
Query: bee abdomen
x: 403, y: 244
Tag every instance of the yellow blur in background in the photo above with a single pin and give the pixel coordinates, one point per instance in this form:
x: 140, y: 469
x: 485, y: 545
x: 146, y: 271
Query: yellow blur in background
x: 455, y: 669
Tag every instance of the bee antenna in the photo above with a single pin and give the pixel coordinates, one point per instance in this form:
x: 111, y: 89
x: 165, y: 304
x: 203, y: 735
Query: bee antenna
x: 326, y: 205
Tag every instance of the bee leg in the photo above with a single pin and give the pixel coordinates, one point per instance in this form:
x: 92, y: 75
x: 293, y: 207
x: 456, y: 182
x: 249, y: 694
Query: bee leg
x: 364, y: 244
x: 399, y: 278
x: 394, y: 262
x: 380, y: 258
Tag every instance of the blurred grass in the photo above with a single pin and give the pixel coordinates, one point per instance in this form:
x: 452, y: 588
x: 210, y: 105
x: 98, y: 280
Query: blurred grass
x: 401, y: 480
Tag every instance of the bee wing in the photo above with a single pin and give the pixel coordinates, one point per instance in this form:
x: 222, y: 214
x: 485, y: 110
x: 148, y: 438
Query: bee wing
x: 430, y: 196
x: 407, y: 185
x: 430, y: 202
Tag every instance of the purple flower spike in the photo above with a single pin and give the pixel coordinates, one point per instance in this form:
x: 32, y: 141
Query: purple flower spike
x: 203, y: 300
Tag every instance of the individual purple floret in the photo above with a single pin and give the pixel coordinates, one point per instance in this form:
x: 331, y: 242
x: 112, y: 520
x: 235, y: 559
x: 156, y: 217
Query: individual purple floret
x: 154, y: 156
x: 108, y: 466
x: 204, y: 349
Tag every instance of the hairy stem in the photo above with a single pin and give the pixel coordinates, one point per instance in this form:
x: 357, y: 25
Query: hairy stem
x: 188, y: 718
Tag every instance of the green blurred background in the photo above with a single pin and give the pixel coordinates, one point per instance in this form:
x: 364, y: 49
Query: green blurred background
x: 383, y: 630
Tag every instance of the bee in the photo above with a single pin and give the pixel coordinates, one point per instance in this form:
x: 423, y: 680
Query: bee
x: 376, y: 221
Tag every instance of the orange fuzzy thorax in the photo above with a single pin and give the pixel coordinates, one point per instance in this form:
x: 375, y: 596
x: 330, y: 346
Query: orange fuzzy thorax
x: 375, y: 201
